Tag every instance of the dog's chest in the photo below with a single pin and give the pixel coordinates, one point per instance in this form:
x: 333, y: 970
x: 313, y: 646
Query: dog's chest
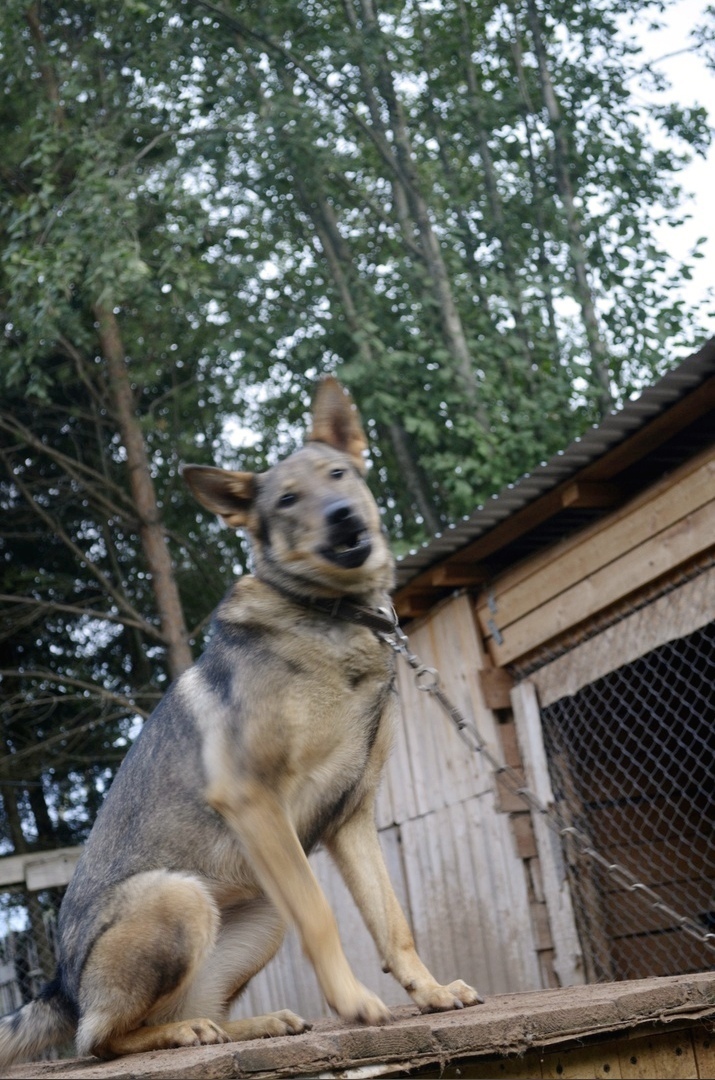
x: 335, y: 711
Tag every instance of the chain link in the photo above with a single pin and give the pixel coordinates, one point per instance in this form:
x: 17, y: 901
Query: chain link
x: 428, y: 680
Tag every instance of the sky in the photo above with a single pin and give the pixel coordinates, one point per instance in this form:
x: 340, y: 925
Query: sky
x: 692, y: 83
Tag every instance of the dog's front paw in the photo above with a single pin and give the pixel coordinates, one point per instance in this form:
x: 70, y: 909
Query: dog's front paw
x: 292, y: 1023
x: 199, y: 1032
x: 359, y: 1005
x: 436, y: 998
x: 268, y: 1026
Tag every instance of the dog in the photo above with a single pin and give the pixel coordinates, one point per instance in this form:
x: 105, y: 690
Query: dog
x: 271, y: 743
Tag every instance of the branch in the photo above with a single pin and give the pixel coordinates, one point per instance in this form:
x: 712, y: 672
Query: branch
x: 76, y: 609
x: 52, y: 676
x: 75, y: 469
x: 670, y: 55
x: 8, y: 761
x: 381, y: 145
x: 94, y: 570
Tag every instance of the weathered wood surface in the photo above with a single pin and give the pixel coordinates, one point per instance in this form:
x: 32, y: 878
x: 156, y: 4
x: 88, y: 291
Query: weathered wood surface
x: 504, y: 1030
x: 568, y: 957
x: 674, y: 615
x: 555, y: 591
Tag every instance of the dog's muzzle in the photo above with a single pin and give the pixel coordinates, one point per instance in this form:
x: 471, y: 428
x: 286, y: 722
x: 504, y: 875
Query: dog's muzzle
x: 349, y: 543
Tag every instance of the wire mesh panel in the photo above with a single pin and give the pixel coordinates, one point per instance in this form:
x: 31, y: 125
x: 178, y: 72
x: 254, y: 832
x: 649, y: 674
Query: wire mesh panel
x: 631, y: 760
x: 27, y: 944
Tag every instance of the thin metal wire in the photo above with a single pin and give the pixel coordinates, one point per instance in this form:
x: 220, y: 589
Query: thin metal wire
x: 428, y: 680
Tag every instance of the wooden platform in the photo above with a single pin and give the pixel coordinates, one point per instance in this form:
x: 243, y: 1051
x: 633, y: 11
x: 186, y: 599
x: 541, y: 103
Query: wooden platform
x: 654, y: 1028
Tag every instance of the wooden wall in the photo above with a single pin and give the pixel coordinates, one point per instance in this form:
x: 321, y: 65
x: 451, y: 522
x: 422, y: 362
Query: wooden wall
x: 570, y: 585
x: 449, y: 845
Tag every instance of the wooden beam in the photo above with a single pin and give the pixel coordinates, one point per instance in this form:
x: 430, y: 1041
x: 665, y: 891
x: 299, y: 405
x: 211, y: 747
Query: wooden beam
x: 661, y: 554
x: 550, y: 573
x: 414, y: 604
x: 496, y: 684
x: 568, y: 959
x: 590, y: 494
x: 674, y: 615
x: 39, y: 869
x: 458, y: 572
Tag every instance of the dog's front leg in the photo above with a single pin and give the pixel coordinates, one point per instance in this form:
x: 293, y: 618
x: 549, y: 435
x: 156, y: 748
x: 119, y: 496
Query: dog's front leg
x: 281, y: 867
x: 357, y: 852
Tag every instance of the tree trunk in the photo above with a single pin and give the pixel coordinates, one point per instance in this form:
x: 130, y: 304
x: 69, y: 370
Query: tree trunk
x: 339, y: 260
x: 452, y: 328
x: 577, y: 251
x: 543, y: 261
x: 153, y: 539
x: 46, y: 832
x: 412, y: 475
x: 497, y: 226
x: 9, y: 793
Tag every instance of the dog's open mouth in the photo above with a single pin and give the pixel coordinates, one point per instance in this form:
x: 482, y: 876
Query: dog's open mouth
x: 350, y: 549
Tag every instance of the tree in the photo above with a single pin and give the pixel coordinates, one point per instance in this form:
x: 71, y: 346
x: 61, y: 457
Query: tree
x: 104, y: 366
x: 204, y: 205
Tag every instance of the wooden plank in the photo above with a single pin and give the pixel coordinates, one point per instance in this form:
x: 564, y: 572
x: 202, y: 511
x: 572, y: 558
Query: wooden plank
x: 445, y: 771
x: 659, y: 555
x: 496, y: 684
x: 530, y: 585
x: 568, y: 962
x: 429, y: 898
x: 510, y: 743
x: 658, y: 819
x: 669, y: 1056
x: 657, y: 862
x: 416, y: 603
x: 630, y: 913
x: 590, y: 493
x: 669, y: 953
x: 503, y: 888
x: 456, y: 573
x: 398, y: 773
x: 523, y: 830
x: 591, y: 1061
x: 679, y: 613
x: 704, y: 1050
x: 46, y: 869
x: 516, y: 1068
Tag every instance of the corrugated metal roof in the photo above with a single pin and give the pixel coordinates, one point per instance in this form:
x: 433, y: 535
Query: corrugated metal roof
x: 597, y: 441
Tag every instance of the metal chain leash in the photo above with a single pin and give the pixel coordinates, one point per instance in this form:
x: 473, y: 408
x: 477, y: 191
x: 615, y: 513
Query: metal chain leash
x: 428, y: 680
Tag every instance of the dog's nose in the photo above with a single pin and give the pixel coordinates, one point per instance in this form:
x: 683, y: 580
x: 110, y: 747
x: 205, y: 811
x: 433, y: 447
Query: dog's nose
x: 338, y: 512
x: 348, y: 538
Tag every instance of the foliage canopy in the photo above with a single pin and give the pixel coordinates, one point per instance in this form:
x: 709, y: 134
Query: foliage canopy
x: 450, y: 204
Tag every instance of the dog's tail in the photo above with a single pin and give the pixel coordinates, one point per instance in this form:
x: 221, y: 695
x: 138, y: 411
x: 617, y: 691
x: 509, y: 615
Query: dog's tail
x: 48, y: 1020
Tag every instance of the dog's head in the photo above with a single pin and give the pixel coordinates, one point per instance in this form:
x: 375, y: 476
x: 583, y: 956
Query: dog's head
x: 312, y: 521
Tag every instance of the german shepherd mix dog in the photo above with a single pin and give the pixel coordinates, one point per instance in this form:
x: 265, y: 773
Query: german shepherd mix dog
x: 273, y: 742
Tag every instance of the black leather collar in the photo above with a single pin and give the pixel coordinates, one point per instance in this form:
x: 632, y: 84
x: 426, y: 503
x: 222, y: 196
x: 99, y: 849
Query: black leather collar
x: 379, y: 620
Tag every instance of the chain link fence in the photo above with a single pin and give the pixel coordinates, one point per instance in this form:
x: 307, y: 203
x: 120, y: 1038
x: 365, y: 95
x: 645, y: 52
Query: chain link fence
x: 28, y: 956
x: 631, y: 760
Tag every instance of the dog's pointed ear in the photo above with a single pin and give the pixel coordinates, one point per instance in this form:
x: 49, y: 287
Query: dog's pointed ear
x: 336, y: 421
x: 228, y: 494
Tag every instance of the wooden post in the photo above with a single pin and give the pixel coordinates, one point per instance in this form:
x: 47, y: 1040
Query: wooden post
x: 568, y: 958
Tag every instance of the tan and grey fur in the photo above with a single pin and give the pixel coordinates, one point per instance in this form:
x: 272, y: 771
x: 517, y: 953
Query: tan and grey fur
x: 272, y: 742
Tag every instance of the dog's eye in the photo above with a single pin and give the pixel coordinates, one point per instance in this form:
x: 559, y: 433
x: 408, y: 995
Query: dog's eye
x: 287, y: 499
x: 337, y: 473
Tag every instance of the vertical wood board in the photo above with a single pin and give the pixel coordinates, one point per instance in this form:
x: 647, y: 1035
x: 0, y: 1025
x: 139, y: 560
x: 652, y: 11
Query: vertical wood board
x: 568, y: 959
